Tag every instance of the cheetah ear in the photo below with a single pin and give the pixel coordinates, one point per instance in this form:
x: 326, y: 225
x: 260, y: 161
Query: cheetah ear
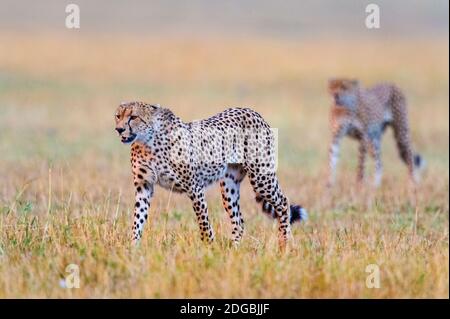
x: 152, y: 108
x: 354, y: 82
x: 331, y: 82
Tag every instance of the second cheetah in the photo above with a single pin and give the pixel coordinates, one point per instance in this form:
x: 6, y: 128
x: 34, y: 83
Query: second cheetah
x: 364, y: 114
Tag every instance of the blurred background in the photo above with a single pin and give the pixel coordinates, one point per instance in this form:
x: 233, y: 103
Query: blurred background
x: 59, y: 89
x: 199, y: 57
x: 289, y: 19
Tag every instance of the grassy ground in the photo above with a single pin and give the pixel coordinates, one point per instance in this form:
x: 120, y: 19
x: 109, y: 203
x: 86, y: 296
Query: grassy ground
x: 66, y: 193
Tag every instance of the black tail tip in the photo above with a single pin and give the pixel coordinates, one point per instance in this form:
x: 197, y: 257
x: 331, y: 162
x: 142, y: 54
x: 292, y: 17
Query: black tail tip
x: 418, y: 161
x: 298, y: 213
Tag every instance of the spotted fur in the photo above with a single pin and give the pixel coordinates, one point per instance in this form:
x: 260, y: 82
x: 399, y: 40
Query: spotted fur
x: 188, y: 157
x: 364, y: 114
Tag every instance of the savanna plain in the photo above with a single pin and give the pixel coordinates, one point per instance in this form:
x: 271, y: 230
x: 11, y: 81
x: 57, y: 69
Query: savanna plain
x: 66, y: 193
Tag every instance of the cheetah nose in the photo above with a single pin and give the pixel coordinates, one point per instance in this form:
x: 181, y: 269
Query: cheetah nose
x: 120, y: 130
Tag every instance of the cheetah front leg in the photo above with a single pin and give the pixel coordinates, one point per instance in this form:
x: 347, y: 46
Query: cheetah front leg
x: 197, y: 196
x: 333, y: 154
x: 375, y: 150
x: 144, y: 178
x: 144, y: 195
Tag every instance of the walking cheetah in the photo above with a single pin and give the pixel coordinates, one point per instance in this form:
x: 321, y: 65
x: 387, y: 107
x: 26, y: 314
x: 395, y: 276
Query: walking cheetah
x: 364, y: 114
x: 188, y: 157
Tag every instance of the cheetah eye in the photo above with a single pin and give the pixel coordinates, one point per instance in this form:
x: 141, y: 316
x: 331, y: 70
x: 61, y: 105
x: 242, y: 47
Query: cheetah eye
x: 133, y: 117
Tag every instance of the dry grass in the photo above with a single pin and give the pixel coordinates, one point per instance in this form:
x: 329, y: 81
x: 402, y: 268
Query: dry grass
x: 65, y: 185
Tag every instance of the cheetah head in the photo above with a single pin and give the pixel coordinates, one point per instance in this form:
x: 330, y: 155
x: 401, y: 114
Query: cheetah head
x: 344, y: 91
x: 134, y: 121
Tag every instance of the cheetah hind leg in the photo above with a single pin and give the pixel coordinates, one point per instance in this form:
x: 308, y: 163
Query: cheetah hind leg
x: 361, y: 161
x: 230, y: 189
x: 276, y: 204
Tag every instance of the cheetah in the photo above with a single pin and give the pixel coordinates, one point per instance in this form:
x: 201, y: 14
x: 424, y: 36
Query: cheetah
x: 364, y: 114
x: 188, y: 157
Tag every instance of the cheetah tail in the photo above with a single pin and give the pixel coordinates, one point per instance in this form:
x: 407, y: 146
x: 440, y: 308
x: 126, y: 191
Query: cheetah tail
x: 298, y: 213
x: 419, y: 162
x: 401, y: 128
